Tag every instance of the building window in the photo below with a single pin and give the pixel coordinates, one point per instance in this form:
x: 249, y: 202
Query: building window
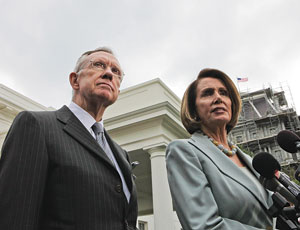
x: 272, y: 130
x: 278, y: 155
x: 239, y: 139
x: 254, y: 135
x: 143, y: 225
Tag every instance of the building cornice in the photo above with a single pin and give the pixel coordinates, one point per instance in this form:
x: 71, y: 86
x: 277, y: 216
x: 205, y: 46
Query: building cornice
x: 12, y: 102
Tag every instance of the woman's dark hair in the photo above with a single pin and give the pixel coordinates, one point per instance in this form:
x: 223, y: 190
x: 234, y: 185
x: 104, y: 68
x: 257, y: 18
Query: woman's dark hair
x: 189, y: 116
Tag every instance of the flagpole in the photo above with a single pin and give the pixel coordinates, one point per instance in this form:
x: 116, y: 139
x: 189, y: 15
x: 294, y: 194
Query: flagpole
x: 238, y: 79
x: 238, y: 85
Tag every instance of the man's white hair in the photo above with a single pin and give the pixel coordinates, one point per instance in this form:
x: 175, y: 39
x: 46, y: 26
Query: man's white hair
x: 81, y: 60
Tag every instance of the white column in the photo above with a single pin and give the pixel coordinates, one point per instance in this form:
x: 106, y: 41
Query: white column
x: 162, y: 201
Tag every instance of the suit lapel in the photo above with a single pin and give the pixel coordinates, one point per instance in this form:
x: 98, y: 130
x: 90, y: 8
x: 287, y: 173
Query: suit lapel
x: 75, y: 128
x: 226, y: 166
x: 123, y: 162
x: 125, y: 166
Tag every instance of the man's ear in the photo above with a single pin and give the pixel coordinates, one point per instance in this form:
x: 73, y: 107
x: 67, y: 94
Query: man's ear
x: 73, y: 79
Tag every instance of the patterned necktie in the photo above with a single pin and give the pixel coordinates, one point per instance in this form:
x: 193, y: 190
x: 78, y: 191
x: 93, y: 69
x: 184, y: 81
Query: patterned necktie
x: 100, y: 138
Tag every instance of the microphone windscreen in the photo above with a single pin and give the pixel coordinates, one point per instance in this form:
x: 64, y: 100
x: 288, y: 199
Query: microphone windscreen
x: 265, y: 164
x: 287, y: 140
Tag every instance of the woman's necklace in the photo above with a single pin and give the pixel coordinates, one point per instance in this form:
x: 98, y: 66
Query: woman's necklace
x: 223, y: 149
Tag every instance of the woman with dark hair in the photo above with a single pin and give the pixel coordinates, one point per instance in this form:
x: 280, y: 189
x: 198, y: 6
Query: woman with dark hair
x: 212, y: 182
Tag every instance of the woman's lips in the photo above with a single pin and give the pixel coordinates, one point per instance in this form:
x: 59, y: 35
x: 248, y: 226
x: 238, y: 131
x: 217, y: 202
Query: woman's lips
x: 218, y: 109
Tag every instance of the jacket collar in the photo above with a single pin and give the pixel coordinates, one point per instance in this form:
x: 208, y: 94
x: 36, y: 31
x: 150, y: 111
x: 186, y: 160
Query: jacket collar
x: 76, y: 129
x: 226, y: 166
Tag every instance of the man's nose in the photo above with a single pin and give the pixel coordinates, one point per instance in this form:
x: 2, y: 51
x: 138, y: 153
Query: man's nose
x: 107, y: 74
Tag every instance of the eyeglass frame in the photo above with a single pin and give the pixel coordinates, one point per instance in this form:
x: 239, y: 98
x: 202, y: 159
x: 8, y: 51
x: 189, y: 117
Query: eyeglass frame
x: 120, y: 77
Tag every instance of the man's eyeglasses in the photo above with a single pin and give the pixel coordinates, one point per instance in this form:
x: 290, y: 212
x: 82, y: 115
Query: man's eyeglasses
x: 100, y: 65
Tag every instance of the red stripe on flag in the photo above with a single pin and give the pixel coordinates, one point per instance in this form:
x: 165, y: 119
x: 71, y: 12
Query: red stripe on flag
x: 242, y: 79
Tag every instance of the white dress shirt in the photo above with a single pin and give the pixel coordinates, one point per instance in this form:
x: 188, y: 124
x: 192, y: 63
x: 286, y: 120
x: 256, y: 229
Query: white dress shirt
x: 88, y: 121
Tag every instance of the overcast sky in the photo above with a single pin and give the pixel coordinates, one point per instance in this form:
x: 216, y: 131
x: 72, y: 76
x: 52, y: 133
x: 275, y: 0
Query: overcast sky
x: 40, y: 42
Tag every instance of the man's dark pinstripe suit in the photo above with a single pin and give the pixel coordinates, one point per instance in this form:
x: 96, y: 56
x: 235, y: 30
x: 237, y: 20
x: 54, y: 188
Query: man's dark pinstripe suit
x: 54, y: 175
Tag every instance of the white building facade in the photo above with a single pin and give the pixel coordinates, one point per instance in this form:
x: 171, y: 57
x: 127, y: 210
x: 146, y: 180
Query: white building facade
x: 11, y: 103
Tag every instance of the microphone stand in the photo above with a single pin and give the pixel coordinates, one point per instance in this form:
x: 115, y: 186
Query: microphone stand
x: 287, y: 216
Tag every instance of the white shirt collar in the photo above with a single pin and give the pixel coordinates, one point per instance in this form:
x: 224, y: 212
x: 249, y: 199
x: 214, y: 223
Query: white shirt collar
x: 83, y: 116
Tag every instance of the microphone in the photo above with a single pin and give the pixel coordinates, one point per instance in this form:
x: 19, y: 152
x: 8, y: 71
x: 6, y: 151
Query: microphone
x: 265, y: 164
x: 288, y: 141
x: 268, y: 167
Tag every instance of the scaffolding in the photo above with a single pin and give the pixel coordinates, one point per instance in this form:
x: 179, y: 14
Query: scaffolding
x: 265, y: 112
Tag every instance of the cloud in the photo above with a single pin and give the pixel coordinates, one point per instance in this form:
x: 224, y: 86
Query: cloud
x: 173, y: 40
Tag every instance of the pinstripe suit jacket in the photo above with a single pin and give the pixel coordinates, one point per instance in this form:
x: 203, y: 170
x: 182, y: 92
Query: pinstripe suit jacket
x: 54, y: 175
x: 211, y: 192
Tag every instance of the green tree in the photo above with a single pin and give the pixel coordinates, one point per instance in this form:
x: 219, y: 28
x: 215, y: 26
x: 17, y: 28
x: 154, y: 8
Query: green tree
x: 290, y: 171
x: 287, y: 169
x: 246, y: 150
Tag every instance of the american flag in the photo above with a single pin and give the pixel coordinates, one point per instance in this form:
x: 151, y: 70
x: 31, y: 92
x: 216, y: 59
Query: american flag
x: 242, y: 79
